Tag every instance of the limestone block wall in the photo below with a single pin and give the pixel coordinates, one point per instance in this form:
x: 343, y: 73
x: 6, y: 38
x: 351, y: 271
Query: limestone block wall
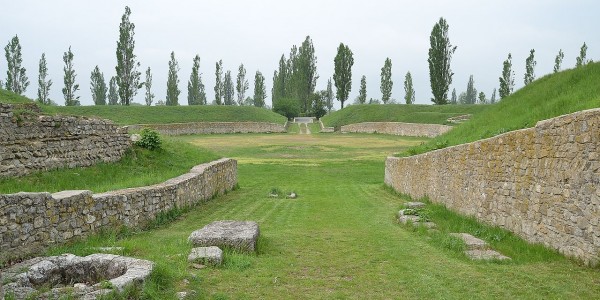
x: 212, y: 128
x: 397, y: 128
x: 542, y: 183
x: 31, y: 221
x: 30, y: 142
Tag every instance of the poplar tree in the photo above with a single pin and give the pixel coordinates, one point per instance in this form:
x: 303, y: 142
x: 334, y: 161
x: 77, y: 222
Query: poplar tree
x: 342, y: 75
x: 362, y: 92
x: 149, y: 97
x: 219, y: 83
x: 386, y: 81
x: 581, y: 59
x: 329, y: 96
x: 43, y: 85
x: 228, y: 90
x: 113, y: 94
x: 280, y: 78
x: 558, y: 60
x: 173, y: 82
x: 453, y: 99
x: 260, y: 91
x: 482, y: 99
x: 305, y: 73
x: 471, y: 93
x: 440, y: 55
x: 16, y: 79
x: 69, y: 79
x: 98, y: 87
x: 128, y: 77
x: 530, y: 64
x: 241, y: 85
x: 196, y: 93
x: 493, y: 97
x: 507, y: 81
x: 409, y: 89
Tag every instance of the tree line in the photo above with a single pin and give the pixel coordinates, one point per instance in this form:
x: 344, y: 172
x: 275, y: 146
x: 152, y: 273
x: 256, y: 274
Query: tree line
x: 294, y: 82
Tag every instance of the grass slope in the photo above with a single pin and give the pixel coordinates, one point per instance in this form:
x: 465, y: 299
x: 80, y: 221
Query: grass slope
x: 431, y: 114
x: 339, y: 239
x: 10, y: 97
x: 550, y: 96
x: 127, y: 115
x: 139, y: 167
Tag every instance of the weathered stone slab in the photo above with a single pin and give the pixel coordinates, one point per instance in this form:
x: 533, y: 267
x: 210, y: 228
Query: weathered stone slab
x: 478, y: 249
x: 472, y: 242
x: 206, y: 255
x: 404, y: 219
x: 415, y: 205
x: 238, y: 235
x: 80, y: 276
x: 485, y: 255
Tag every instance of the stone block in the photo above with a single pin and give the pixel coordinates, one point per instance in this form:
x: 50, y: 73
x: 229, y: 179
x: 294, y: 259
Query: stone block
x: 238, y: 235
x: 472, y: 242
x: 206, y: 255
x: 415, y: 205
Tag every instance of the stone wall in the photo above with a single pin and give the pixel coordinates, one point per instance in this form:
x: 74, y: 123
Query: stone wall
x: 31, y: 142
x: 397, y: 128
x: 212, y: 128
x: 325, y: 129
x: 31, y: 221
x: 542, y: 183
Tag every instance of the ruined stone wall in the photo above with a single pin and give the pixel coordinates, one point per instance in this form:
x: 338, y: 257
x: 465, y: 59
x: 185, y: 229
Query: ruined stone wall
x: 31, y: 142
x: 397, y: 128
x: 542, y: 183
x: 212, y: 128
x: 31, y: 221
x: 325, y: 129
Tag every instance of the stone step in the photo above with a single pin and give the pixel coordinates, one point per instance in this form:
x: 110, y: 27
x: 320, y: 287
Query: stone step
x: 472, y: 242
x: 485, y: 255
x: 415, y: 205
x: 478, y: 248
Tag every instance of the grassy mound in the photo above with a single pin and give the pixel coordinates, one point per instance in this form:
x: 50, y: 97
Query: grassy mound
x: 550, y: 96
x: 429, y: 114
x: 127, y: 115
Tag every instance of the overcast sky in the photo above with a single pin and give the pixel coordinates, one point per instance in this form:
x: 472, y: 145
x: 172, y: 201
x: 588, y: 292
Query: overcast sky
x: 257, y: 33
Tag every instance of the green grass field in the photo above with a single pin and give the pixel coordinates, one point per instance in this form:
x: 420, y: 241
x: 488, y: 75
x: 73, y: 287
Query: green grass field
x: 550, y: 96
x: 339, y: 239
x: 430, y: 114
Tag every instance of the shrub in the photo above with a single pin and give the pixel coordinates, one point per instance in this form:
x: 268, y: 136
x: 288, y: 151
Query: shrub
x: 149, y: 139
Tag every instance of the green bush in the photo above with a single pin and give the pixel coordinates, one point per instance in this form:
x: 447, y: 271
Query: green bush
x: 287, y: 107
x: 149, y: 139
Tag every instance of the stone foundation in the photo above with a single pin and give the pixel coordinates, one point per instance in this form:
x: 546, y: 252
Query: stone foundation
x: 397, y: 128
x: 31, y: 221
x: 542, y: 183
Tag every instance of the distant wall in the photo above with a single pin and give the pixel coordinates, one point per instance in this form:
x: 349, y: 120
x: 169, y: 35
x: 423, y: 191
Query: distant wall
x: 212, y: 128
x: 325, y: 129
x: 31, y: 221
x: 397, y: 128
x: 31, y: 142
x: 542, y: 183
